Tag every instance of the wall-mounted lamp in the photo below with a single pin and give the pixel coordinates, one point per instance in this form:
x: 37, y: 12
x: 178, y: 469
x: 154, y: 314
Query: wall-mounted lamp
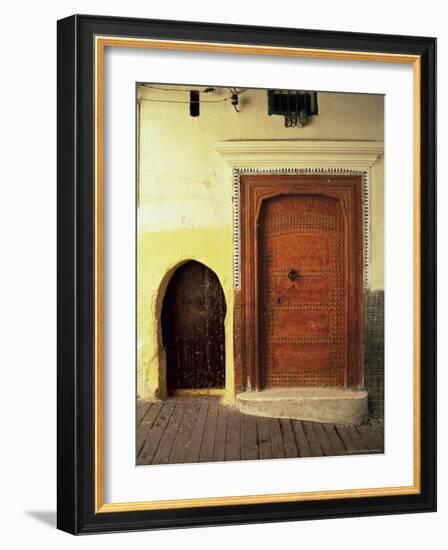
x: 194, y: 103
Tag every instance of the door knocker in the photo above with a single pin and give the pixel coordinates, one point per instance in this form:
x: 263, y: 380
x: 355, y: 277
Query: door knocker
x: 293, y: 274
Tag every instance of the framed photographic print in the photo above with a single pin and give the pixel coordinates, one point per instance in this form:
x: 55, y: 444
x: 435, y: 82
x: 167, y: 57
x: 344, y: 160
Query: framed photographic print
x: 246, y: 274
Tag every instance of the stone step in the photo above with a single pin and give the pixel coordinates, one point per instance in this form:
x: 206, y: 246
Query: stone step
x: 334, y: 405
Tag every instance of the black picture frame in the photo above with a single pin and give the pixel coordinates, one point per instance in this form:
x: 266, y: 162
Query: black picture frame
x: 76, y: 480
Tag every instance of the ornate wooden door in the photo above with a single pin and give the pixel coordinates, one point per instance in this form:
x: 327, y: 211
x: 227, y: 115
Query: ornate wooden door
x: 193, y: 328
x: 299, y: 312
x: 303, y: 291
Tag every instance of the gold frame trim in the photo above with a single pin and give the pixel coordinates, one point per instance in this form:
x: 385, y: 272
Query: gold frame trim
x: 101, y: 42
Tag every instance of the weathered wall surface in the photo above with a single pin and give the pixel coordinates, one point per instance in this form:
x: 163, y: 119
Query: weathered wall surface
x: 374, y: 351
x: 185, y: 196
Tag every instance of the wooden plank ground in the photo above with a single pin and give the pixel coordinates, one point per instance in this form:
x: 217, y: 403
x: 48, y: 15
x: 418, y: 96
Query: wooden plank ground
x: 200, y: 429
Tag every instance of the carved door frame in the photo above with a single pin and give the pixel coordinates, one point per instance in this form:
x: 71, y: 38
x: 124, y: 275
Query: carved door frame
x: 256, y: 188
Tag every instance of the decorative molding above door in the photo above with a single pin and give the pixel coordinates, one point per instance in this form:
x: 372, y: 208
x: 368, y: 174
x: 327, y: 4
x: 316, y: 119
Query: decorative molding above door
x: 359, y: 155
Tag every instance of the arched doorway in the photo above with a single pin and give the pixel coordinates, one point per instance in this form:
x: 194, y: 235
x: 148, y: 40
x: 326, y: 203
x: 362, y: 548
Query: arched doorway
x: 193, y: 315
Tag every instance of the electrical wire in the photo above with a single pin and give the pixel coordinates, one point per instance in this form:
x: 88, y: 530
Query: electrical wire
x: 183, y: 102
x: 207, y: 90
x: 233, y: 91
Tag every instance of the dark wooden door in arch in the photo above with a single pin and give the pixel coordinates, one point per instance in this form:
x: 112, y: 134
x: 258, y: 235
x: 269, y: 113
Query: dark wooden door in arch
x: 193, y: 315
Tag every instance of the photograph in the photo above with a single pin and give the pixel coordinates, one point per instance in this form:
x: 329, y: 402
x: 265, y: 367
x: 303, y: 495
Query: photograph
x: 260, y: 282
x: 246, y: 271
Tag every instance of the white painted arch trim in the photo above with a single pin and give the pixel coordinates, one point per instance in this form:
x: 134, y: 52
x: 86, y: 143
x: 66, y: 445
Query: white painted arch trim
x: 300, y: 153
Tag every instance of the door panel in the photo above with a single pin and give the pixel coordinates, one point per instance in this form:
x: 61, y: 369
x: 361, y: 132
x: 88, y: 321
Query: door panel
x: 288, y: 358
x: 312, y: 289
x: 303, y: 291
x: 299, y: 322
x: 308, y: 249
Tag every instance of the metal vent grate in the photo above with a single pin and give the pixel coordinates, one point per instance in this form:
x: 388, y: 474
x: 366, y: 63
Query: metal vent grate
x: 290, y: 103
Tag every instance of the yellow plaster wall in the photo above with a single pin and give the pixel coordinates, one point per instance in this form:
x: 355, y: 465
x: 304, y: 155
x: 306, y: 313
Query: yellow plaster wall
x: 185, y: 197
